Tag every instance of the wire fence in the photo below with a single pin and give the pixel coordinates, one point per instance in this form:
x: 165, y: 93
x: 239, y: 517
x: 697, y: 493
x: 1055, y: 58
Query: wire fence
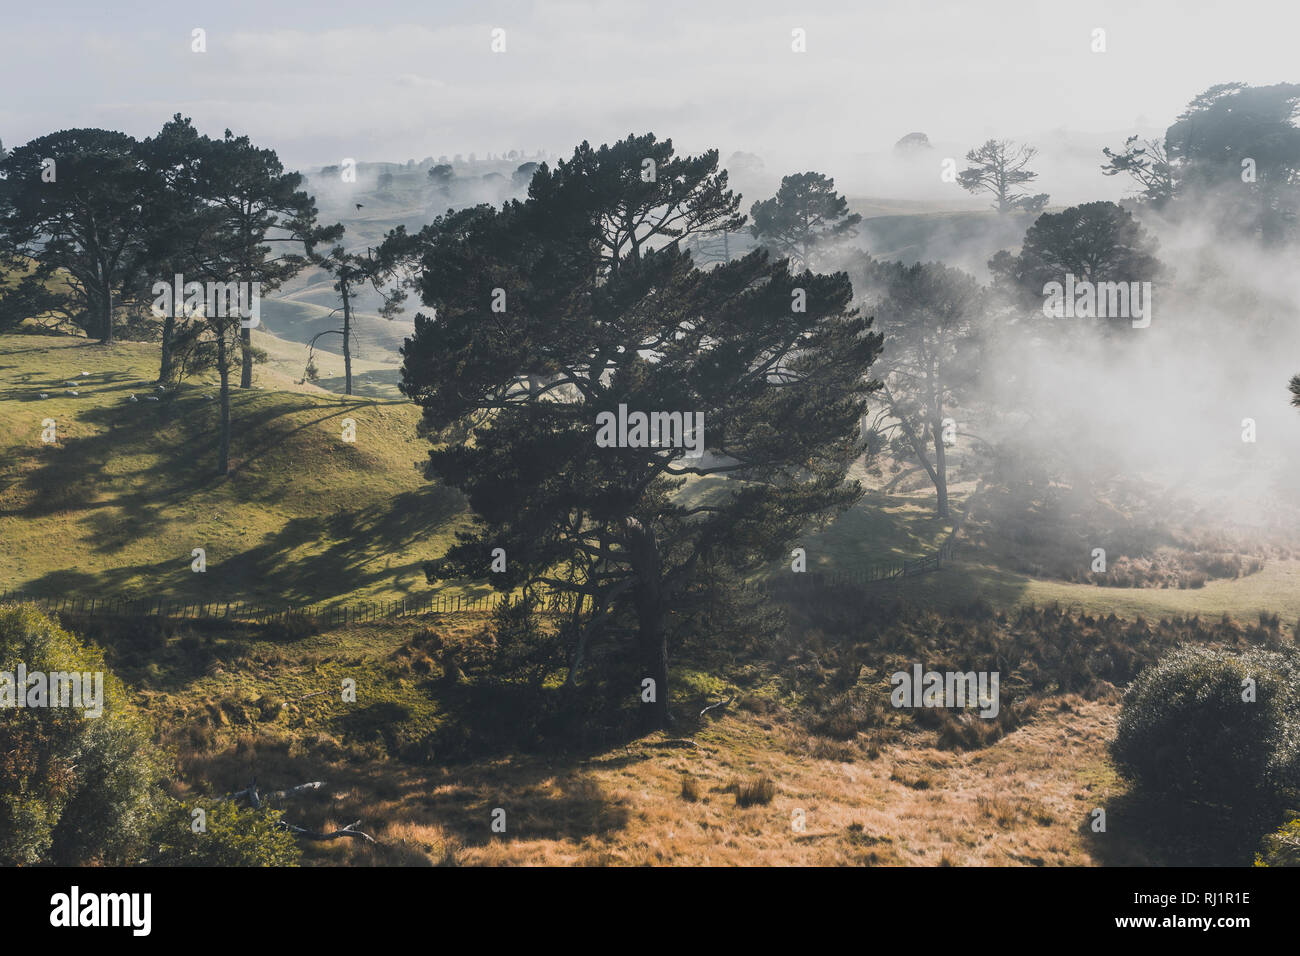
x: 353, y: 612
x: 324, y: 613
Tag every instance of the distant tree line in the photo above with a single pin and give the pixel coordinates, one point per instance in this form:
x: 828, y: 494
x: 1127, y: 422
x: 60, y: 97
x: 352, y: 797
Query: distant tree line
x: 92, y: 220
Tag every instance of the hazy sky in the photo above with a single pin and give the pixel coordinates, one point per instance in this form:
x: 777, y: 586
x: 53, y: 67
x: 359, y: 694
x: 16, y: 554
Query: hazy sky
x: 380, y: 80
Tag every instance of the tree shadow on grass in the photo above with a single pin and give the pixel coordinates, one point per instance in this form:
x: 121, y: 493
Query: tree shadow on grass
x: 306, y: 561
x: 1146, y: 830
x: 155, y: 455
x: 541, y: 802
x: 544, y: 797
x: 379, y: 383
x: 156, y: 447
x: 161, y: 454
x: 881, y: 528
x: 959, y: 584
x: 31, y: 384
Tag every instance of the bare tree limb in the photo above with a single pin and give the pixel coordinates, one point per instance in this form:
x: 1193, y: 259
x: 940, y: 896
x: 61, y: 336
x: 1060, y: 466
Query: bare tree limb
x: 721, y: 703
x: 347, y: 831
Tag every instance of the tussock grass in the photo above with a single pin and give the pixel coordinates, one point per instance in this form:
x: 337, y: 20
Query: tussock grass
x: 755, y: 791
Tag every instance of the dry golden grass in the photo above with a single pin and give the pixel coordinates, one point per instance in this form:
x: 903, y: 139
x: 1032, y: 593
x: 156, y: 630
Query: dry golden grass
x: 1025, y: 800
x: 690, y: 789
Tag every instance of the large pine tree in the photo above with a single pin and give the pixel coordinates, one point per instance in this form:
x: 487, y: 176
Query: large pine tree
x: 79, y: 203
x: 552, y: 311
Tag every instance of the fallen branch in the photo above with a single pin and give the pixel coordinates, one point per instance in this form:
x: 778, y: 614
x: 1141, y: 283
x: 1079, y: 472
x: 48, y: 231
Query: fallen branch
x: 348, y: 831
x: 255, y: 796
x: 251, y: 792
x: 295, y: 791
x: 721, y: 703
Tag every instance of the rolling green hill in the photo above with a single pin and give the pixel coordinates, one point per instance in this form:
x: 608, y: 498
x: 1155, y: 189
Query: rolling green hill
x: 119, y: 501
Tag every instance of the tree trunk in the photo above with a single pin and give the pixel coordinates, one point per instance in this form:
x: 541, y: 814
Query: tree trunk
x: 223, y: 367
x: 347, y: 339
x: 168, y: 334
x: 652, y: 641
x: 108, y: 316
x: 246, y: 373
x: 938, y: 475
x: 246, y: 334
x: 940, y: 469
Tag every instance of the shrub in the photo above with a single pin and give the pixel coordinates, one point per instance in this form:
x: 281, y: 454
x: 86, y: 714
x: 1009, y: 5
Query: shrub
x: 825, y: 749
x: 1186, y: 734
x: 1282, y: 847
x: 861, y: 707
x: 291, y: 627
x: 74, y: 788
x: 233, y: 836
x: 757, y: 790
x: 690, y: 789
x: 522, y: 647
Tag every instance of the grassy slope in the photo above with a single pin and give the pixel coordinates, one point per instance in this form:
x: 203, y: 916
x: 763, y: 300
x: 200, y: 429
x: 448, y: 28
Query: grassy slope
x: 119, y: 501
x: 239, y: 706
x: 974, y: 576
x: 1022, y: 801
x: 112, y: 507
x: 296, y: 315
x: 288, y: 360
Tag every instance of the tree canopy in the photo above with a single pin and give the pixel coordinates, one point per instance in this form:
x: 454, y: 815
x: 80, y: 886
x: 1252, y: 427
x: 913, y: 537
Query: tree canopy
x: 929, y: 314
x: 1000, y: 168
x: 579, y: 303
x: 1233, y: 142
x: 805, y: 212
x: 81, y: 203
x: 1096, y: 241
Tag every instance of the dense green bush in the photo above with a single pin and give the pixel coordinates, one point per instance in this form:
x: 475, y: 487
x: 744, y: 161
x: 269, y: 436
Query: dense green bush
x: 233, y: 836
x: 1282, y: 847
x: 1186, y: 734
x: 74, y: 788
x: 521, y: 646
